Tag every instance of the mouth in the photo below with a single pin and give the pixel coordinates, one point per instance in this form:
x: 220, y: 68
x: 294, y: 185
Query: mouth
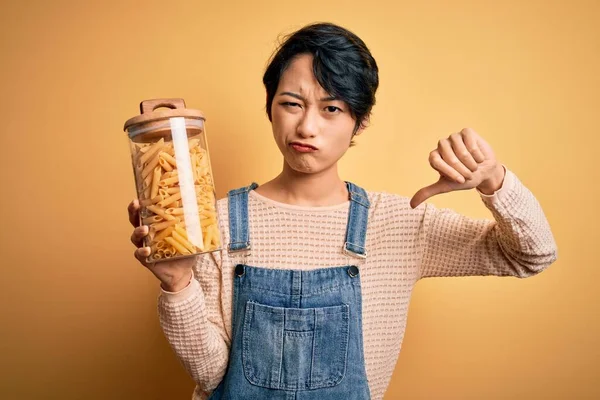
x: 303, y: 147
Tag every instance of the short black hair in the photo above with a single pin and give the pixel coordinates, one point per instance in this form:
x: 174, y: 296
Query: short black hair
x: 342, y: 64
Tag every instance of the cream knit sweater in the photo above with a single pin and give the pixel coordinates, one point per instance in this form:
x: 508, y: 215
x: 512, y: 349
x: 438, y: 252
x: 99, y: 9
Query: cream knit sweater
x: 404, y: 245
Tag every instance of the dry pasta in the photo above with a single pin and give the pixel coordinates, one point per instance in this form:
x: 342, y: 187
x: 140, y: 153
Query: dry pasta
x: 157, y: 177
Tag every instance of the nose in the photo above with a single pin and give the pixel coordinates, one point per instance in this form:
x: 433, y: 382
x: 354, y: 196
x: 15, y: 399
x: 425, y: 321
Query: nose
x: 308, y: 126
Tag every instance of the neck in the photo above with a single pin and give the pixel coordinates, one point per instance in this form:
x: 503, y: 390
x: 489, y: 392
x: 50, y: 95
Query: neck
x: 314, y: 190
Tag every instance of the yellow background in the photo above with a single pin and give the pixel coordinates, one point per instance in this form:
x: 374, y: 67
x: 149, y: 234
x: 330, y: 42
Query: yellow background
x: 79, y: 314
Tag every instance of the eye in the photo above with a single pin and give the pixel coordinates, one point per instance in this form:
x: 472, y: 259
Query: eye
x: 333, y: 109
x: 290, y: 104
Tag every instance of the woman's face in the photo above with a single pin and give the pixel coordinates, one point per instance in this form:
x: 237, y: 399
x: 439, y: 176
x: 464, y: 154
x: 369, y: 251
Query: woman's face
x: 312, y: 129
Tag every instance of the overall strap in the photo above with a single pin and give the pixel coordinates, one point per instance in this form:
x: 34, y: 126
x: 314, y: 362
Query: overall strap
x: 356, y: 230
x: 238, y: 218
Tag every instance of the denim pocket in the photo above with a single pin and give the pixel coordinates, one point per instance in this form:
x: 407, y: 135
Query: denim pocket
x: 295, y: 348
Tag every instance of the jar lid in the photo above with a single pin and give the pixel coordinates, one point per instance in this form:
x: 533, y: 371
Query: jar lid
x: 150, y: 118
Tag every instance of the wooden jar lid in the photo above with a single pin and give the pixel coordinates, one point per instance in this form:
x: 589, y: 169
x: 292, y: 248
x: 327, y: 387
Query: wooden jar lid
x: 149, y: 118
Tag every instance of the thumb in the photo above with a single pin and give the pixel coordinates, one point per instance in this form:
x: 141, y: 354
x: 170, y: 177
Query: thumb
x: 441, y: 186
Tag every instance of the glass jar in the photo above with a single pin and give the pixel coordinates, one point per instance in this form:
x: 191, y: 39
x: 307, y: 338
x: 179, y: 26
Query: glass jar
x: 173, y: 179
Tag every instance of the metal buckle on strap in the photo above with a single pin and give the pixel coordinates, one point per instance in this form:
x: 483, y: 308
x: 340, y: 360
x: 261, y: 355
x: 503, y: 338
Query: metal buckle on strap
x: 229, y: 250
x: 351, y: 253
x: 360, y: 199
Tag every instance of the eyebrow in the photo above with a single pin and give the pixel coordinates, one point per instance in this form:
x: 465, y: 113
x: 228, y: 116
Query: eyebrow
x: 299, y: 97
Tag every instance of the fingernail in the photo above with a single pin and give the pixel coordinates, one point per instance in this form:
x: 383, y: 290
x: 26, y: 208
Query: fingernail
x: 144, y: 229
x: 461, y: 179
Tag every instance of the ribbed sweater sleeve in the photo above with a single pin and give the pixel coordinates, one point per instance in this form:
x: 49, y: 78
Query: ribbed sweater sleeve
x: 192, y: 321
x: 517, y: 242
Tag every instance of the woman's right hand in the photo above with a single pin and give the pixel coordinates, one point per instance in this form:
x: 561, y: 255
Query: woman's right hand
x: 173, y: 275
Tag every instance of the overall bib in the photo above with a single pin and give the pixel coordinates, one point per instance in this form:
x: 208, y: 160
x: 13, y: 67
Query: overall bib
x: 297, y: 335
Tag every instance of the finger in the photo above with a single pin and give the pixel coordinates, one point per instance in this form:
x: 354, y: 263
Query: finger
x: 460, y: 150
x: 447, y: 153
x: 437, y: 162
x: 429, y: 191
x: 138, y: 235
x: 470, y: 140
x: 141, y: 254
x: 134, y: 211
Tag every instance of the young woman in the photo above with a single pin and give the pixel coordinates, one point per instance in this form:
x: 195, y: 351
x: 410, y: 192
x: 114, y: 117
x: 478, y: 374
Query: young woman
x: 309, y: 299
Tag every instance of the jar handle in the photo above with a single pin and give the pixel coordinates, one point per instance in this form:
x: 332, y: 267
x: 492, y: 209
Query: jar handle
x: 148, y: 106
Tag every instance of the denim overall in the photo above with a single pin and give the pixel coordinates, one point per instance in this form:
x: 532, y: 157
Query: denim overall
x: 297, y: 335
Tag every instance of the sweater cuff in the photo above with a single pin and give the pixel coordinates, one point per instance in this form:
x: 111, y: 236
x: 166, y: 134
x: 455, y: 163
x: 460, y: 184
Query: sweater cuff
x: 175, y: 297
x: 508, y: 185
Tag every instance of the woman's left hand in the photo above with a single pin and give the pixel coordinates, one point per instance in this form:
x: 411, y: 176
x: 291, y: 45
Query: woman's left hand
x: 464, y: 161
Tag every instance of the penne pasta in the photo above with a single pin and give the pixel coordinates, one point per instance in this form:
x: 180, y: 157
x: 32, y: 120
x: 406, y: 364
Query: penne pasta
x: 163, y: 193
x: 147, y: 182
x: 194, y: 169
x: 168, y: 253
x: 207, y: 239
x: 152, y: 151
x: 159, y: 211
x: 168, y: 175
x: 169, y: 200
x: 142, y: 148
x: 183, y: 241
x: 147, y: 202
x: 207, y: 222
x: 207, y: 214
x: 157, y: 183
x: 163, y: 234
x: 169, y: 150
x: 194, y: 144
x: 149, y: 168
x: 165, y: 165
x: 179, y: 247
x: 152, y: 220
x: 169, y: 159
x: 169, y: 181
x: 181, y: 231
x: 155, y: 179
x: 162, y: 225
x: 215, y: 236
